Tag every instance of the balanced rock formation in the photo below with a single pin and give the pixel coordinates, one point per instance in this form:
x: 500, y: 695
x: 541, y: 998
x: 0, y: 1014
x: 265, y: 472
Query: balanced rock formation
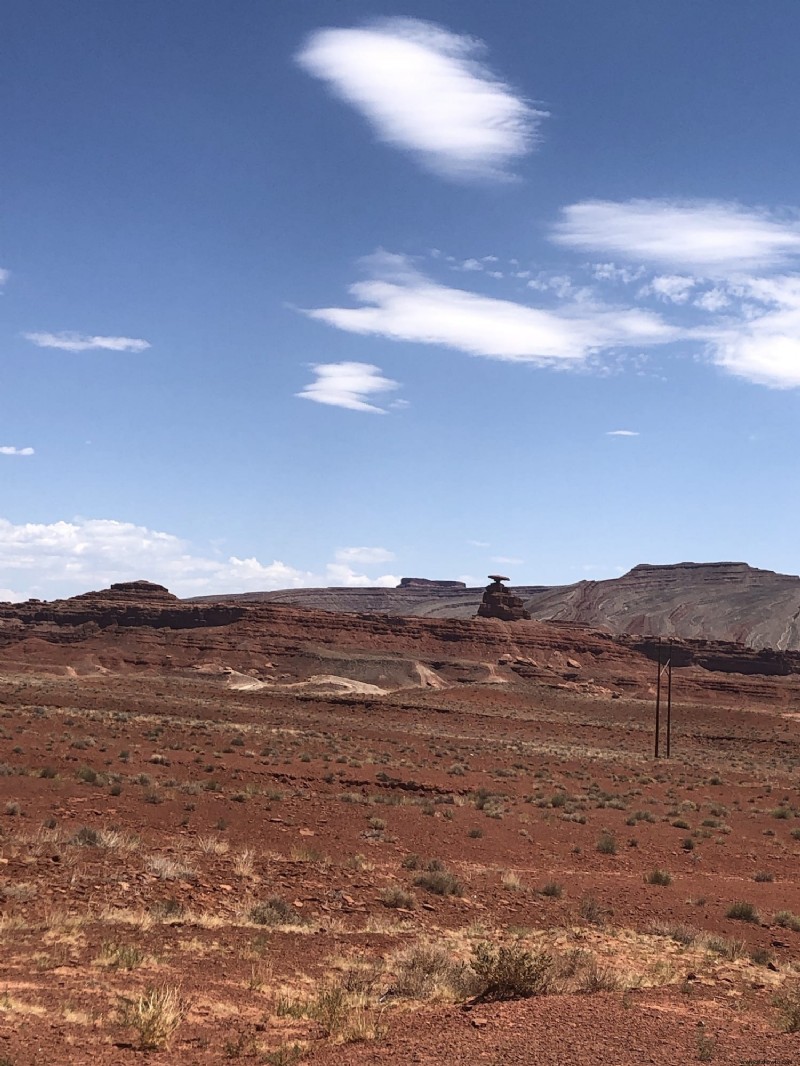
x: 498, y: 602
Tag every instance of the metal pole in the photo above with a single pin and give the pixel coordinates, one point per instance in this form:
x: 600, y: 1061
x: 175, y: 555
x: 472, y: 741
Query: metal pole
x: 669, y: 701
x: 658, y: 697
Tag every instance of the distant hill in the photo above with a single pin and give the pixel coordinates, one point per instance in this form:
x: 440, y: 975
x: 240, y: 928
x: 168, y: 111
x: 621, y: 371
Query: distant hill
x: 715, y: 601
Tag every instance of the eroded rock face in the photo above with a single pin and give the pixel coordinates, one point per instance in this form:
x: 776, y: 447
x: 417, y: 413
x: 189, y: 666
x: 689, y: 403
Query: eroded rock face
x: 499, y: 602
x: 129, y: 604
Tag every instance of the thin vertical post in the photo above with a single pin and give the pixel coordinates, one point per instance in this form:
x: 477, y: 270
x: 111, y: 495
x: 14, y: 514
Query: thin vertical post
x: 658, y: 697
x: 669, y: 701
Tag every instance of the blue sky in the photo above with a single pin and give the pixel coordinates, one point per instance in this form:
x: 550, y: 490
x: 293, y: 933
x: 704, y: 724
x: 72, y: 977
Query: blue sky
x: 334, y: 292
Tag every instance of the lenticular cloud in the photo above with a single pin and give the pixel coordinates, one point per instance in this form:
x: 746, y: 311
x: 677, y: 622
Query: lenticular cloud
x: 423, y: 89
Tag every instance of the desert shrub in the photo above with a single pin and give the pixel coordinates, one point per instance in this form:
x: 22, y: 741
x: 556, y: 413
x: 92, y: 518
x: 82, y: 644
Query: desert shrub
x: 607, y: 844
x: 787, y: 920
x: 440, y: 883
x: 86, y: 837
x: 781, y: 812
x: 687, y: 844
x: 475, y: 834
x: 395, y: 896
x: 552, y: 889
x: 87, y: 775
x: 274, y: 911
x: 789, y: 1007
x: 742, y: 911
x: 764, y: 876
x: 428, y: 971
x: 596, y: 977
x: 155, y: 1015
x: 591, y: 911
x: 411, y: 862
x: 659, y: 877
x: 122, y: 956
x: 677, y: 931
x: 164, y: 909
x: 679, y: 823
x: 728, y: 947
x: 510, y: 971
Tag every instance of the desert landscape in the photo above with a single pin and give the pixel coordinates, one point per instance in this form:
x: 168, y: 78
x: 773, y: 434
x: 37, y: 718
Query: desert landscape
x: 268, y: 833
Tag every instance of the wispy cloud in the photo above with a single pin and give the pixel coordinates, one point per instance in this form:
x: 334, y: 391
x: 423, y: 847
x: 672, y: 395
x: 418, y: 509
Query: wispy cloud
x: 348, y: 385
x: 622, y: 433
x: 707, y: 237
x: 364, y: 556
x: 82, y: 342
x: 8, y: 449
x: 61, y: 558
x: 403, y: 304
x: 424, y: 89
x: 478, y: 543
x: 4, y: 276
x: 510, y: 559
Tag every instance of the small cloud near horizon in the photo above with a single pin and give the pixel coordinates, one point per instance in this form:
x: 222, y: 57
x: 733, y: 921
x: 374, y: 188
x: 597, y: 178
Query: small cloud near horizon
x: 622, y: 433
x: 9, y: 449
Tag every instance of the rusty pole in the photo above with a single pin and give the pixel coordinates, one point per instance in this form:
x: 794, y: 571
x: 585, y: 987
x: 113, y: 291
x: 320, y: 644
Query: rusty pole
x: 658, y: 697
x: 669, y: 701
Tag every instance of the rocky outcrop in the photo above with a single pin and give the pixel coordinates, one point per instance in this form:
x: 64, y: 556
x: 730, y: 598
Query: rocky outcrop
x: 707, y: 601
x: 145, y: 629
x: 131, y: 603
x: 428, y: 583
x: 499, y: 602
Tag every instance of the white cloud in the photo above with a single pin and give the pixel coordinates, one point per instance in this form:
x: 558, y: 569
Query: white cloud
x: 478, y: 543
x: 340, y: 574
x: 612, y: 272
x: 363, y: 556
x: 622, y: 433
x: 82, y: 342
x: 423, y: 89
x: 761, y: 342
x: 9, y: 449
x: 671, y: 288
x: 712, y: 300
x: 62, y: 558
x: 4, y: 276
x: 471, y: 264
x: 510, y: 559
x: 348, y: 385
x: 8, y: 596
x: 709, y: 237
x: 403, y: 304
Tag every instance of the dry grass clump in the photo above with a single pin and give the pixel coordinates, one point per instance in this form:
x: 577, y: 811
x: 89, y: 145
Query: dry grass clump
x: 155, y: 1015
x: 343, y: 1016
x: 789, y: 1006
x: 275, y: 912
x: 439, y: 880
x: 511, y: 971
x: 170, y: 869
x: 397, y: 897
x: 787, y: 920
x: 428, y: 971
x: 659, y: 877
x: 742, y: 911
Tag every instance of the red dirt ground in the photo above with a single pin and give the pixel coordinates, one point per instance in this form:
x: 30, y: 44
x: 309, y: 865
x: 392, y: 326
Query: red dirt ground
x: 147, y: 807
